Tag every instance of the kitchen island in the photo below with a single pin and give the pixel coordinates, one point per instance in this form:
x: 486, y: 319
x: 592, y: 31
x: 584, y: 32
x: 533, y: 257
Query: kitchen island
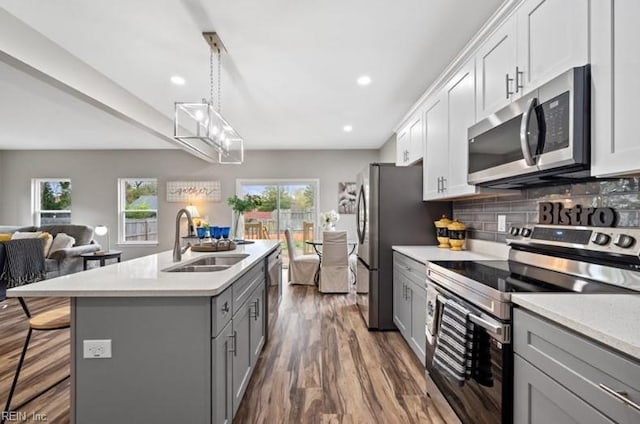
x: 150, y: 345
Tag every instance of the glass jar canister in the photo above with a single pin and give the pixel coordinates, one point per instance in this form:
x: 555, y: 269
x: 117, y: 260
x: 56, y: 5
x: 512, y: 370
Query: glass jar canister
x: 442, y: 232
x: 457, y: 235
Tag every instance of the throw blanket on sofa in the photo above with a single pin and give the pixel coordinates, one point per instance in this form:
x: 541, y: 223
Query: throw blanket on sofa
x: 24, y: 262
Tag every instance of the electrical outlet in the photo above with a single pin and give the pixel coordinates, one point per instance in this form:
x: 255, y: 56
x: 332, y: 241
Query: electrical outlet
x: 502, y: 223
x: 96, y: 349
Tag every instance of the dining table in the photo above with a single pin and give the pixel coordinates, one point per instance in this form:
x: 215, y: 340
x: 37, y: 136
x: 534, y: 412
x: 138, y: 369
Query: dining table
x: 317, y: 247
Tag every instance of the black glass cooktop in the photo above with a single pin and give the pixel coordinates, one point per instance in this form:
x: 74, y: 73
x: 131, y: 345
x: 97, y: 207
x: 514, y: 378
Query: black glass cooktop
x: 511, y: 277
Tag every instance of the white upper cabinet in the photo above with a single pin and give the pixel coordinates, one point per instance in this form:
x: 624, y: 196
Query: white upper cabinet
x: 541, y: 40
x: 416, y: 138
x: 410, y: 141
x: 553, y: 36
x: 461, y: 100
x: 436, y: 152
x: 496, y: 61
x: 615, y: 70
x: 402, y: 147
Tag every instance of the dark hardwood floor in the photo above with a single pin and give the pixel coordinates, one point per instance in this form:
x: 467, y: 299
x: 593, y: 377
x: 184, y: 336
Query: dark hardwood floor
x: 321, y: 365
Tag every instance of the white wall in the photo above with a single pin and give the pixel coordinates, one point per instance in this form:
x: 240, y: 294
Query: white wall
x: 94, y: 177
x: 387, y: 152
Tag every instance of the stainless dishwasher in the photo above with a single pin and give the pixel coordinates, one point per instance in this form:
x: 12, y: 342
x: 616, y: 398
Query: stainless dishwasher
x: 274, y: 288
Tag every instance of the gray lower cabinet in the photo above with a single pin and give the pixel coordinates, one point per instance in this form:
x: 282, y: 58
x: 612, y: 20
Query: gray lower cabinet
x: 400, y: 308
x: 418, y: 340
x: 242, y: 354
x: 222, y: 381
x: 257, y: 330
x: 563, y: 377
x: 410, y: 302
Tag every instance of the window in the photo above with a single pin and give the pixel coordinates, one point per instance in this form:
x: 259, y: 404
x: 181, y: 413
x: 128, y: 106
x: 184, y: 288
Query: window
x: 51, y: 201
x: 137, y: 211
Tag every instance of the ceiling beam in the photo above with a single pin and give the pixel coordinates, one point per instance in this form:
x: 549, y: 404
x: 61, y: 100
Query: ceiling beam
x: 30, y: 51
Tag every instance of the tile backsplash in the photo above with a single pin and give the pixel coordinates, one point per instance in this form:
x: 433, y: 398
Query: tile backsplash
x: 481, y: 215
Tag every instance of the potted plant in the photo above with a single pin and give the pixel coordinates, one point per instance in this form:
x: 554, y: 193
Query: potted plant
x: 240, y: 206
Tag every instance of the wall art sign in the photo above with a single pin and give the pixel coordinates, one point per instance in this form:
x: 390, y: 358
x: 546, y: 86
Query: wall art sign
x: 556, y: 214
x: 189, y: 191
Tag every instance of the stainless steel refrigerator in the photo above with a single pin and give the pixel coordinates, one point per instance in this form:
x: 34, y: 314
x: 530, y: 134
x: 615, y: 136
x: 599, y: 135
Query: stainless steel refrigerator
x: 390, y: 211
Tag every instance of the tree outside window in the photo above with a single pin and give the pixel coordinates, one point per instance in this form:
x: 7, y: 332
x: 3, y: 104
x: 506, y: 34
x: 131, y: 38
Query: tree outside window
x: 52, y: 200
x: 138, y: 206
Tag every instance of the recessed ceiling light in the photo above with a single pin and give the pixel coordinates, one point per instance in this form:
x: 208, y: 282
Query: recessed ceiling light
x: 347, y: 128
x: 177, y: 80
x: 364, y: 80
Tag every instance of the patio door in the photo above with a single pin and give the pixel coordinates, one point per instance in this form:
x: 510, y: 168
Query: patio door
x: 286, y: 204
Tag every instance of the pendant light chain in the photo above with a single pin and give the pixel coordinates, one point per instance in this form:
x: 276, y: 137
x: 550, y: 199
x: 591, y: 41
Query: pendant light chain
x: 211, y: 75
x: 219, y: 72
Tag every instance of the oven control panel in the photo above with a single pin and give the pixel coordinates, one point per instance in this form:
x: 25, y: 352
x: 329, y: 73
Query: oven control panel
x: 625, y: 241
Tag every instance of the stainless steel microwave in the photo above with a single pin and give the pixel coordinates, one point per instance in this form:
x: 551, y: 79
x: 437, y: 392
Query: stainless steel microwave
x: 541, y: 138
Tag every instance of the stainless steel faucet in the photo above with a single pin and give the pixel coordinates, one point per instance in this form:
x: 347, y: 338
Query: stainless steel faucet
x: 177, y: 248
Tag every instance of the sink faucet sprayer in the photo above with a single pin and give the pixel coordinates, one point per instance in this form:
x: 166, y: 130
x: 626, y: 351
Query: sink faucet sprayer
x: 177, y: 249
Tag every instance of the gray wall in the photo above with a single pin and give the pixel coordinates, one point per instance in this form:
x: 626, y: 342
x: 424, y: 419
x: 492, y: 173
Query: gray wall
x: 94, y: 177
x: 481, y: 215
x: 387, y: 152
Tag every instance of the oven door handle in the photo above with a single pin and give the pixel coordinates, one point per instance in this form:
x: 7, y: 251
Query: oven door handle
x: 501, y: 331
x: 481, y: 322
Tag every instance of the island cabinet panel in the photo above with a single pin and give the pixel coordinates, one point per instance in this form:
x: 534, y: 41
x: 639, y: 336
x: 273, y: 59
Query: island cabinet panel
x: 241, y: 353
x: 244, y: 286
x: 222, y: 379
x: 221, y: 311
x: 257, y: 310
x: 576, y: 374
x: 158, y: 373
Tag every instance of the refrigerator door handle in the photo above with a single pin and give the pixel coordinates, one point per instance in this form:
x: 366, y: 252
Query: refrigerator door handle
x: 361, y: 208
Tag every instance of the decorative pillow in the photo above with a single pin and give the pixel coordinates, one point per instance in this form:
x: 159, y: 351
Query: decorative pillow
x: 5, y: 237
x: 26, y: 235
x: 48, y: 241
x: 61, y: 241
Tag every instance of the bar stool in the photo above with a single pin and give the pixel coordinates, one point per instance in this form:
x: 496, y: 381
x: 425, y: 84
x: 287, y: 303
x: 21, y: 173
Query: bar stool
x: 55, y: 319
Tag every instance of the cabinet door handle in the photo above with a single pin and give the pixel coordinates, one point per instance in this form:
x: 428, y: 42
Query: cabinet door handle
x: 409, y: 293
x: 507, y: 80
x: 519, y: 79
x: 234, y: 346
x: 439, y: 185
x: 404, y: 291
x: 444, y: 184
x: 621, y: 396
x: 225, y: 307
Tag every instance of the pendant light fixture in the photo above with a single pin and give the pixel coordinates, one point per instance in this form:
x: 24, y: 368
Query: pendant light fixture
x: 201, y: 121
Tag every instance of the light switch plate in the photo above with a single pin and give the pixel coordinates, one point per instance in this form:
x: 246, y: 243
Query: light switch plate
x: 96, y: 349
x: 502, y: 223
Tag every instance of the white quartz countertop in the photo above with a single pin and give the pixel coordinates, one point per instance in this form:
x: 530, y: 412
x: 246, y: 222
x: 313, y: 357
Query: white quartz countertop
x: 426, y: 254
x: 144, y: 277
x: 611, y: 319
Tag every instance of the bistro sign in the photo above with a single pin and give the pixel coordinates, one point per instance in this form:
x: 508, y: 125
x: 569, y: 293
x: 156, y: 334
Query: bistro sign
x: 556, y: 214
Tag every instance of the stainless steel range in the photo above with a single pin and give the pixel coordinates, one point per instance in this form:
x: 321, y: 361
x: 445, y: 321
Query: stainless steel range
x: 541, y: 259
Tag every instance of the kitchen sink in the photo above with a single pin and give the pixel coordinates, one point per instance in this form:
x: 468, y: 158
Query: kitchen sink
x: 198, y: 268
x: 219, y: 260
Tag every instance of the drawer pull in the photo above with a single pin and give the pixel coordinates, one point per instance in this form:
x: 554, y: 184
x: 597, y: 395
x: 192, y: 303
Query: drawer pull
x: 225, y: 307
x: 621, y: 396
